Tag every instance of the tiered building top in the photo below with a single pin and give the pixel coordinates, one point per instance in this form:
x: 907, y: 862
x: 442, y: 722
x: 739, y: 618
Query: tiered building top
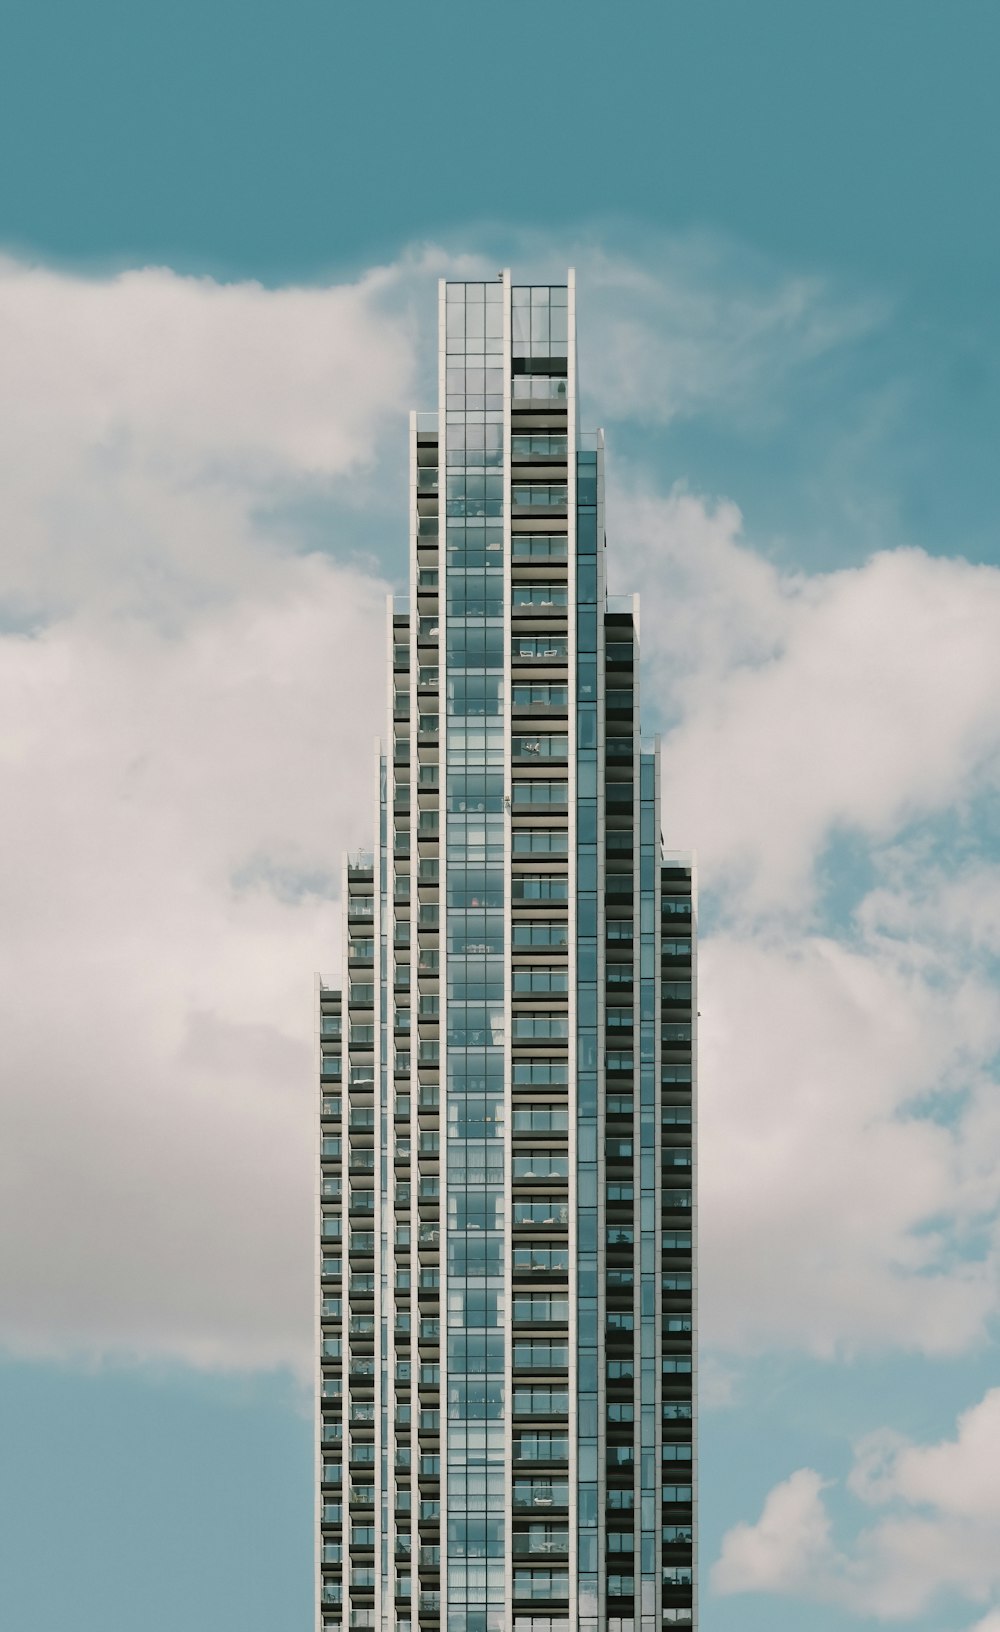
x: 506, y: 1208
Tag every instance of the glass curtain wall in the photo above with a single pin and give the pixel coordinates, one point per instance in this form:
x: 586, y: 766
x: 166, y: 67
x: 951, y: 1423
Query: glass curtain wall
x: 474, y: 998
x: 506, y: 1207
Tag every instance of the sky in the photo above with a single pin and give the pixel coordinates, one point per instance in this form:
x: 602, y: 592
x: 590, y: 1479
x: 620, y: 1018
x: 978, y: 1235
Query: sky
x: 221, y: 227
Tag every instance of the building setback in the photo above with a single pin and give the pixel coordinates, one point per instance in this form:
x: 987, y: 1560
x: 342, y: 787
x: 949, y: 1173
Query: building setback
x: 505, y: 1216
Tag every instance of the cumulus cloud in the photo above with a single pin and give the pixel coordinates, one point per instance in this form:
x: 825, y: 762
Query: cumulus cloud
x: 788, y: 1549
x: 936, y: 1533
x: 802, y: 712
x: 960, y: 1476
x: 816, y: 1060
x: 179, y: 773
x: 171, y: 805
x: 810, y: 705
x: 151, y: 418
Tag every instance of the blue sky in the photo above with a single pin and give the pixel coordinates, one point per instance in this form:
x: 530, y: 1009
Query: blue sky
x: 220, y: 228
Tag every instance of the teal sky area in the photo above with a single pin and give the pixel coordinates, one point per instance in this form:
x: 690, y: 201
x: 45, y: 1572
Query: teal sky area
x: 281, y: 141
x: 855, y: 147
x: 856, y: 143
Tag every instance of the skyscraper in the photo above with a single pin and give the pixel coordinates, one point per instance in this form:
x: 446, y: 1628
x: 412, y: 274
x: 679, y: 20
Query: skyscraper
x: 505, y: 1211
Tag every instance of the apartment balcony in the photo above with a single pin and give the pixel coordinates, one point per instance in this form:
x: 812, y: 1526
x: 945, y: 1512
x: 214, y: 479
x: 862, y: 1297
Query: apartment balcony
x: 531, y: 600
x: 543, y: 392
x: 539, y: 550
x: 542, y: 1494
x: 619, y: 655
x: 550, y: 1544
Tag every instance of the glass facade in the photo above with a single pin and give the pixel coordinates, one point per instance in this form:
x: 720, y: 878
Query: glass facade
x: 505, y: 1218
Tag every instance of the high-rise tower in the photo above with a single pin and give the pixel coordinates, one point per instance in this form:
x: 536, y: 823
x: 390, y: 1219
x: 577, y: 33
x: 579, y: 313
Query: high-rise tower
x: 506, y: 1205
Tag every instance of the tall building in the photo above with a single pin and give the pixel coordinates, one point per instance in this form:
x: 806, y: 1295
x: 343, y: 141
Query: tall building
x: 505, y: 1212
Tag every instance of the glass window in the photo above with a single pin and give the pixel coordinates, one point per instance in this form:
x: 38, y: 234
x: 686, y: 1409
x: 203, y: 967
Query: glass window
x: 540, y: 694
x: 552, y: 841
x: 536, y: 793
x: 541, y: 979
x: 620, y: 1411
x: 540, y: 1584
x: 541, y: 1402
x: 545, y: 1260
x: 621, y: 1371
x: 541, y: 597
x: 540, y: 933
x: 540, y: 1073
x: 540, y: 495
x: 541, y: 1354
x: 619, y: 1320
x: 543, y: 444
x: 540, y: 1493
x: 620, y: 1541
x: 539, y: 546
x: 538, y: 387
x: 540, y: 887
x: 619, y: 929
x: 542, y: 1212
x: 540, y: 745
x: 541, y: 1026
x: 677, y: 1114
x: 621, y: 1586
x: 540, y: 1164
x: 539, y: 1446
x: 546, y: 648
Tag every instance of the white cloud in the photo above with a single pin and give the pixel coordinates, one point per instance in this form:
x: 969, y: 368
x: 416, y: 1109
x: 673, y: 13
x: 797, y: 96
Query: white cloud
x: 849, y: 702
x: 856, y: 705
x: 937, y: 1535
x: 172, y: 806
x: 960, y: 1476
x: 833, y: 1212
x: 789, y: 1548
x: 185, y: 747
x: 184, y: 756
x: 149, y: 415
x: 920, y: 903
x: 683, y: 325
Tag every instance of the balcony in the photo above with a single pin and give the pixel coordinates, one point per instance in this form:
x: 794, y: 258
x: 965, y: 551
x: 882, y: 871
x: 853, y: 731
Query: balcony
x: 531, y: 1495
x: 542, y: 1545
x: 540, y: 1585
x: 528, y: 600
x: 538, y: 391
x: 541, y: 649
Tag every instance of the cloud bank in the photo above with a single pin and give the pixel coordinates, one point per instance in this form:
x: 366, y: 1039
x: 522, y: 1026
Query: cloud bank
x: 186, y: 750
x: 179, y: 772
x: 938, y: 1510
